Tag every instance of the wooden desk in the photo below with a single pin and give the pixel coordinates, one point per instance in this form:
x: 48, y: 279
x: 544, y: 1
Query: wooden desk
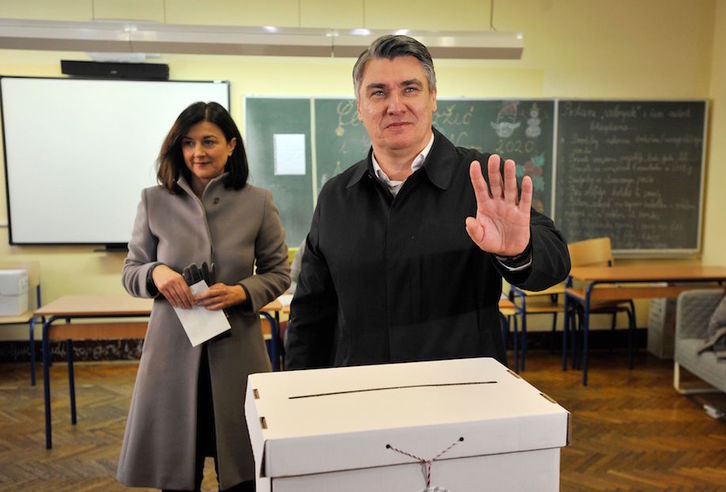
x: 93, y: 307
x: 622, y: 282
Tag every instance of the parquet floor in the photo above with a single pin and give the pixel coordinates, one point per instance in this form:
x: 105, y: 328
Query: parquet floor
x: 631, y: 430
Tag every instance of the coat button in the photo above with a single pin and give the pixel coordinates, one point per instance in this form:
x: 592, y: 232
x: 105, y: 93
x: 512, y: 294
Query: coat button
x: 216, y: 200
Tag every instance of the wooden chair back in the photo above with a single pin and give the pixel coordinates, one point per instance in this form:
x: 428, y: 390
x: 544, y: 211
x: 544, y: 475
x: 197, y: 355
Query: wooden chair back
x: 591, y: 252
x: 33, y: 269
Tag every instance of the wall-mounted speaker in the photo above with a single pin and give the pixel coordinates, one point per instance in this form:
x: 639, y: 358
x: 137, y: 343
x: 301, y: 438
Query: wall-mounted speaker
x: 113, y: 70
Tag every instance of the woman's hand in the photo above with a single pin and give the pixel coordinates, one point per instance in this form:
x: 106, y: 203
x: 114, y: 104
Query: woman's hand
x: 221, y: 296
x: 172, y: 286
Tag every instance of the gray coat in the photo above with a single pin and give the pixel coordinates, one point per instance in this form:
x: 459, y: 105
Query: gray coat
x: 238, y: 230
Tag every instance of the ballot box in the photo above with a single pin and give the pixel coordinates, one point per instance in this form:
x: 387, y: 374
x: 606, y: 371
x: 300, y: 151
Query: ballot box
x: 457, y: 425
x: 13, y: 292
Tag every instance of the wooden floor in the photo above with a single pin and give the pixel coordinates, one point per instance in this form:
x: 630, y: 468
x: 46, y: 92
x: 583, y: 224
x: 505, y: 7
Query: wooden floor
x: 631, y: 430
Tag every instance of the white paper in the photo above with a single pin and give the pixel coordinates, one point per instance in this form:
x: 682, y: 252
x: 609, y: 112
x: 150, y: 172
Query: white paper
x: 200, y: 323
x: 285, y: 299
x: 289, y: 153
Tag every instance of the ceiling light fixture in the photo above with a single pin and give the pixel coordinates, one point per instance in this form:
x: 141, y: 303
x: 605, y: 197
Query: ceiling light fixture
x: 125, y: 36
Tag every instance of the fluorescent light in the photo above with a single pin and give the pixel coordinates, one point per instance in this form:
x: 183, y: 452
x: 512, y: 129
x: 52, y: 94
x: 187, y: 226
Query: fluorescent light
x: 446, y: 44
x: 124, y: 36
x: 360, y: 32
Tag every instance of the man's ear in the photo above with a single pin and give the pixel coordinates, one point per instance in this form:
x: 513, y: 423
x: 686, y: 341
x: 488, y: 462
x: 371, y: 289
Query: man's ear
x: 357, y: 107
x: 433, y: 95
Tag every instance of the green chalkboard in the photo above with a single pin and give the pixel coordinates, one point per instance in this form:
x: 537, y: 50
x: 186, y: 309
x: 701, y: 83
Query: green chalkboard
x: 515, y: 129
x: 293, y: 193
x: 340, y: 139
x: 518, y: 129
x: 631, y: 170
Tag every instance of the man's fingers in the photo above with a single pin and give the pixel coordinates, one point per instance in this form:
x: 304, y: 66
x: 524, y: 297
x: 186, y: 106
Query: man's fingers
x: 525, y: 199
x: 510, y: 181
x: 474, y: 229
x: 481, y: 191
x: 495, y: 177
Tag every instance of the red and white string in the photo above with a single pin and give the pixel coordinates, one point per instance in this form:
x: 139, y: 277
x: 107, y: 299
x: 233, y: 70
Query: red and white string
x: 425, y: 462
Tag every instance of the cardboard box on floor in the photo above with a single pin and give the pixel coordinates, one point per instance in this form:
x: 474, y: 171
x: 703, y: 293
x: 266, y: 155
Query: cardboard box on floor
x: 458, y: 425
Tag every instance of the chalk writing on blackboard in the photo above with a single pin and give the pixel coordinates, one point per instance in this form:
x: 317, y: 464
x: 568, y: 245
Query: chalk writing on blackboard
x: 631, y: 171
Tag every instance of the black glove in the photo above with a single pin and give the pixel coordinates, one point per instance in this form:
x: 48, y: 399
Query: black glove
x: 193, y: 274
x: 209, y: 273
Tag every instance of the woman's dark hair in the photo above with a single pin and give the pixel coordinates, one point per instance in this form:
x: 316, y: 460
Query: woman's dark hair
x: 170, y: 163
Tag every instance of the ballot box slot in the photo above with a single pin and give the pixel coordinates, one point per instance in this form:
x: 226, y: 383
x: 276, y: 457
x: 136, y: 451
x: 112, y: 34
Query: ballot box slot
x: 389, y: 388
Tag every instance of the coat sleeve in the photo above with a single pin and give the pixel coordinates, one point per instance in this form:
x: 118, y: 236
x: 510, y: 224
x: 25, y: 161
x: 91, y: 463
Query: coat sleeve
x: 141, y: 258
x: 313, y: 312
x: 272, y: 274
x: 550, y: 257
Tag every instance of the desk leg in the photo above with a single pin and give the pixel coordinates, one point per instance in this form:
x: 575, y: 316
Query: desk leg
x: 278, y: 337
x: 46, y: 382
x: 578, y: 328
x: 631, y: 328
x: 274, y: 349
x: 585, y: 331
x: 71, y: 380
x: 565, y: 330
x: 32, y: 351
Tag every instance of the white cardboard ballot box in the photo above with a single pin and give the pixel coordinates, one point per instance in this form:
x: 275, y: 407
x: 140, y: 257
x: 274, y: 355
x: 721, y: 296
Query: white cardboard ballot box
x: 13, y: 292
x: 458, y: 425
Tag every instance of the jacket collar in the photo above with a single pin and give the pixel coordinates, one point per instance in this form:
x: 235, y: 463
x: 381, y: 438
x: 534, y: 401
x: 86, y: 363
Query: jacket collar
x: 187, y: 187
x: 439, y: 165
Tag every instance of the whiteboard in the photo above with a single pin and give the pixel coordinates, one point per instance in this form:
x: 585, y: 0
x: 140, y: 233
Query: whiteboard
x: 79, y: 151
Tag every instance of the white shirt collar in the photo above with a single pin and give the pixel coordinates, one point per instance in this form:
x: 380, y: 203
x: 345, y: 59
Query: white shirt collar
x: 417, y: 163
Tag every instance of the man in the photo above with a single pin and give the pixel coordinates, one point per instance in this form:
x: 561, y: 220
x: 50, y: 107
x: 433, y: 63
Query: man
x: 407, y: 248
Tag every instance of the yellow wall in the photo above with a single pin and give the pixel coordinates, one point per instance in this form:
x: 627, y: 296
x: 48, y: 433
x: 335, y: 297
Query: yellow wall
x: 659, y: 49
x: 714, y: 237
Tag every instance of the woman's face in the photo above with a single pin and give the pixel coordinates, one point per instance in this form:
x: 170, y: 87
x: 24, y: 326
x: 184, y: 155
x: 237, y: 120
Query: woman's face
x: 206, y: 150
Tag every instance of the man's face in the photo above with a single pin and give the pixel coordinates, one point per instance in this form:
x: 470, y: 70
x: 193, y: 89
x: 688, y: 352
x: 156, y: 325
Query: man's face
x: 396, y: 105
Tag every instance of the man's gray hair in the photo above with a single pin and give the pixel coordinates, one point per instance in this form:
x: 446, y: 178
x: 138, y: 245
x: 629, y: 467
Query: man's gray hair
x: 391, y: 46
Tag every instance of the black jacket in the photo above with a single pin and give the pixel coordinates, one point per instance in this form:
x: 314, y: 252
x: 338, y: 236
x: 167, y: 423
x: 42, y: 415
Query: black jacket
x: 389, y: 279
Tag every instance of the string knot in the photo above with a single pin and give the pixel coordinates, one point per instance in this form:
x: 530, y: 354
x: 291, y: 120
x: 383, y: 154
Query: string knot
x: 426, y: 462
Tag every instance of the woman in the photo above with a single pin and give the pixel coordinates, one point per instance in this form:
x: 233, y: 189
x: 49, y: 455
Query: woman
x: 189, y: 401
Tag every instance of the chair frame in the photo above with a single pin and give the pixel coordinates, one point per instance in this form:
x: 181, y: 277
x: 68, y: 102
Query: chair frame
x: 589, y: 252
x: 519, y: 299
x: 592, y: 252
